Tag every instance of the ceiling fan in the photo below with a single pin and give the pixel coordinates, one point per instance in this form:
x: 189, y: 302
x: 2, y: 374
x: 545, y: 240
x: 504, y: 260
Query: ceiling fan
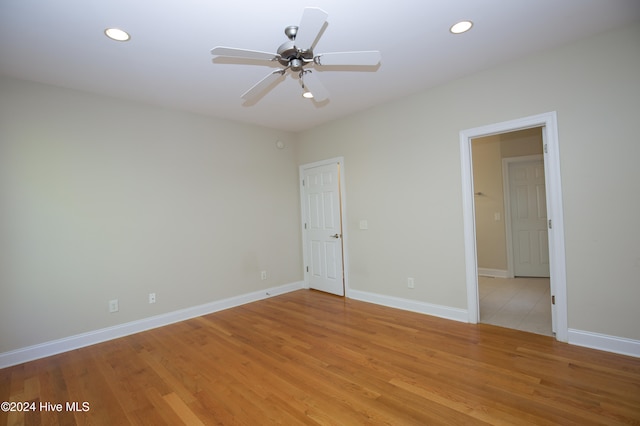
x: 297, y: 55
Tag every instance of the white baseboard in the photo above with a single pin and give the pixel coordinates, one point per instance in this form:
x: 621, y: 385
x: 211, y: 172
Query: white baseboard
x: 411, y: 305
x: 603, y: 342
x: 496, y: 273
x: 619, y: 345
x: 54, y: 347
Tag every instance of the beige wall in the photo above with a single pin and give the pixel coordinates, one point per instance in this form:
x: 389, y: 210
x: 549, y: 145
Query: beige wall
x: 103, y: 199
x: 487, y: 181
x: 487, y: 153
x: 403, y: 175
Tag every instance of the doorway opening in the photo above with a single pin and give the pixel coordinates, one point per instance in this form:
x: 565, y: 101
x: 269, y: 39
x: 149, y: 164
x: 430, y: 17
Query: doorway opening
x: 547, y: 123
x: 511, y: 231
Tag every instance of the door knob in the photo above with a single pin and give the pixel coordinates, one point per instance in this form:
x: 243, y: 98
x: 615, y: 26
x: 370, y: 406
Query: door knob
x: 336, y: 236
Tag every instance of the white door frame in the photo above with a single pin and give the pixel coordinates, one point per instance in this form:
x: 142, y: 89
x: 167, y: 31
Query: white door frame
x: 557, y: 262
x: 507, y: 204
x: 343, y: 216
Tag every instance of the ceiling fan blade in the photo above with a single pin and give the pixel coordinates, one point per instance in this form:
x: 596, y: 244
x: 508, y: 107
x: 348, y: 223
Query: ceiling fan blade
x: 313, y: 84
x: 262, y: 85
x: 242, y: 53
x: 370, y: 58
x: 311, y: 24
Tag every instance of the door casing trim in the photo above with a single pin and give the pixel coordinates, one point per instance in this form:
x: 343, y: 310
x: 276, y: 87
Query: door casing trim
x: 557, y: 261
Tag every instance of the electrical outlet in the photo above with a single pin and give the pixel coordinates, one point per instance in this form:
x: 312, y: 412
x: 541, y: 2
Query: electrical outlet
x: 411, y: 283
x: 152, y: 298
x: 113, y: 305
x: 263, y: 275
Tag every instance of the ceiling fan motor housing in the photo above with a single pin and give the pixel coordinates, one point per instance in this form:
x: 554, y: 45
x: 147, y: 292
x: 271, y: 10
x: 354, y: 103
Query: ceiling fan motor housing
x: 291, y: 56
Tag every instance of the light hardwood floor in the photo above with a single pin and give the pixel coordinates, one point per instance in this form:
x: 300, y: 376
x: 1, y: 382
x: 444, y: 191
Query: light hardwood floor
x: 311, y: 358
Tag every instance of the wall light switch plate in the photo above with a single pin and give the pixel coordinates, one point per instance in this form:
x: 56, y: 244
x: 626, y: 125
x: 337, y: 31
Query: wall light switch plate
x: 364, y: 224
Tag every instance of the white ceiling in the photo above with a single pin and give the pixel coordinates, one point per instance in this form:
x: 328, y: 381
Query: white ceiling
x: 168, y: 60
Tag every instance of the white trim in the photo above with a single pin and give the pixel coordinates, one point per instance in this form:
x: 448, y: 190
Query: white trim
x: 411, y: 305
x: 54, y: 347
x: 343, y: 219
x: 557, y: 267
x: 469, y: 223
x: 506, y: 191
x: 495, y: 273
x: 619, y: 345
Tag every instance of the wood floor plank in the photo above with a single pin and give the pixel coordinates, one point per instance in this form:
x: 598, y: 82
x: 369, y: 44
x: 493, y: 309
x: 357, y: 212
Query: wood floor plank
x: 181, y: 409
x: 315, y: 359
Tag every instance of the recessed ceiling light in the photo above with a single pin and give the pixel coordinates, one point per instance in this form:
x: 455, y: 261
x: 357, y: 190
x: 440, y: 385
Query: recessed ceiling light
x: 117, y: 34
x: 461, y: 27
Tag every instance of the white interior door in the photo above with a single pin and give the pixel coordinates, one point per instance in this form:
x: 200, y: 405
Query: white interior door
x: 323, y: 228
x: 530, y: 237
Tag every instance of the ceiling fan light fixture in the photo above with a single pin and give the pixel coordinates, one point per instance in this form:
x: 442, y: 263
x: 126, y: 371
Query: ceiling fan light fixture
x: 305, y: 92
x: 117, y: 34
x: 461, y: 27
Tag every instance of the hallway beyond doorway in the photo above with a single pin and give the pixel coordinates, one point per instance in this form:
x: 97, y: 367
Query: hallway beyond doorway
x: 519, y: 303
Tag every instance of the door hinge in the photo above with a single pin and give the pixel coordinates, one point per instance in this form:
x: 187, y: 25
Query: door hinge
x: 546, y: 148
x: 307, y: 269
x: 302, y: 182
x: 305, y: 226
x: 550, y: 224
x: 553, y: 300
